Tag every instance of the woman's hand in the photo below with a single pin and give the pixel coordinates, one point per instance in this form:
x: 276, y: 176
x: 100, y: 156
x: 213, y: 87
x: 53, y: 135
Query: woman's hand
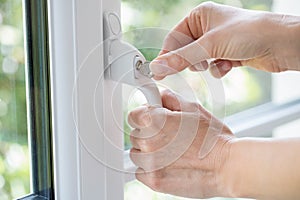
x: 232, y: 37
x: 180, y: 149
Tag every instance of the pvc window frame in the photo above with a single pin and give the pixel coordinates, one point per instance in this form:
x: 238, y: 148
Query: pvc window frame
x: 85, y: 141
x: 83, y: 135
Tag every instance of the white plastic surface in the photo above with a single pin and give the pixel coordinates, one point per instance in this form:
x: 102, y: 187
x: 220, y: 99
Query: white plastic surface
x: 120, y: 62
x: 87, y: 142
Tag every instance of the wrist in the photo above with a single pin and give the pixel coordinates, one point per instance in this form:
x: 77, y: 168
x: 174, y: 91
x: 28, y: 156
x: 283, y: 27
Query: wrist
x: 296, y: 38
x: 292, y: 40
x: 231, y: 171
x: 263, y: 169
x: 225, y: 179
x: 242, y: 169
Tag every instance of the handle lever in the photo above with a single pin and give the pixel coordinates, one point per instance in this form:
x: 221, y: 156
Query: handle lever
x: 126, y: 64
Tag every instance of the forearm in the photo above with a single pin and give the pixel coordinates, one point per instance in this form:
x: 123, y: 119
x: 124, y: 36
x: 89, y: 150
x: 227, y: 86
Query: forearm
x: 264, y: 169
x: 290, y: 28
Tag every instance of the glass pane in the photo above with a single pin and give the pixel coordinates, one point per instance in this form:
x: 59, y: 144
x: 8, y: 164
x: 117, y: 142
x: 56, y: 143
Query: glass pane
x: 254, y: 86
x: 284, y: 89
x: 284, y: 84
x: 289, y: 130
x: 14, y: 156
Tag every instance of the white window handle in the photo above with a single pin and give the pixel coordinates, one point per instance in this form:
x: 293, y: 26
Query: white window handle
x: 126, y: 64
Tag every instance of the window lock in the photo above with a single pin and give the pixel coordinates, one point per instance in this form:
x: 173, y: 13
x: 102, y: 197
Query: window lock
x: 124, y: 63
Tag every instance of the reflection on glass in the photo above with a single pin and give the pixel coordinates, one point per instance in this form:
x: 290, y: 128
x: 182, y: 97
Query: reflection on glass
x: 14, y: 158
x: 241, y: 89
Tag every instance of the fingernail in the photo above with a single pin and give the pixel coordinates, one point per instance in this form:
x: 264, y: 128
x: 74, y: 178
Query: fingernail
x: 201, y: 66
x: 198, y: 67
x: 160, y: 67
x: 224, y: 65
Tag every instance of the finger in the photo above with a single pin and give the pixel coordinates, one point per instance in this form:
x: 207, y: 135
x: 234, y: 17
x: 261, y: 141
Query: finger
x: 151, y: 120
x: 139, y: 117
x: 170, y: 181
x: 219, y: 68
x: 149, y: 162
x: 146, y: 145
x: 148, y: 142
x: 140, y: 159
x: 175, y: 102
x: 176, y: 38
x: 179, y: 59
x: 202, y: 66
x: 151, y: 179
x: 186, y: 31
x: 133, y: 137
x: 141, y: 141
x: 176, y: 136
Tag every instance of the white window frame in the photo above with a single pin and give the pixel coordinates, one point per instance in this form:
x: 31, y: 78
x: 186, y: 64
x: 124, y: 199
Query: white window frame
x: 76, y: 31
x: 76, y: 34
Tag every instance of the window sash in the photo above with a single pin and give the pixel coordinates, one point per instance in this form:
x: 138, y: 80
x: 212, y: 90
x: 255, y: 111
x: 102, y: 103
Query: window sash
x: 82, y: 150
x: 261, y: 120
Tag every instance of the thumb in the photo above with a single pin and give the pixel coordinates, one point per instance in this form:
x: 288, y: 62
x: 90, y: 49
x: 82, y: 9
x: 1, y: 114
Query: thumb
x: 175, y: 102
x: 179, y: 59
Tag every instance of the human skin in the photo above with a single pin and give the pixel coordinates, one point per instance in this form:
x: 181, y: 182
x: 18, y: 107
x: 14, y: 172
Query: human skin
x: 188, y: 175
x: 233, y: 37
x: 248, y: 167
x: 233, y: 167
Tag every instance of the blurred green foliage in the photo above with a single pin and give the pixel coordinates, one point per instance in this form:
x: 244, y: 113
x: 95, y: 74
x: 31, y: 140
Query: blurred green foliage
x: 14, y: 170
x: 257, y: 4
x: 154, y: 6
x: 13, y: 126
x: 14, y: 158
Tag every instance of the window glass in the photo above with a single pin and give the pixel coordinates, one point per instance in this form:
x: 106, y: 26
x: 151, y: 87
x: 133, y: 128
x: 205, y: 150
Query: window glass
x: 254, y: 87
x: 14, y: 156
x: 284, y: 84
x: 289, y: 130
x: 284, y: 87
